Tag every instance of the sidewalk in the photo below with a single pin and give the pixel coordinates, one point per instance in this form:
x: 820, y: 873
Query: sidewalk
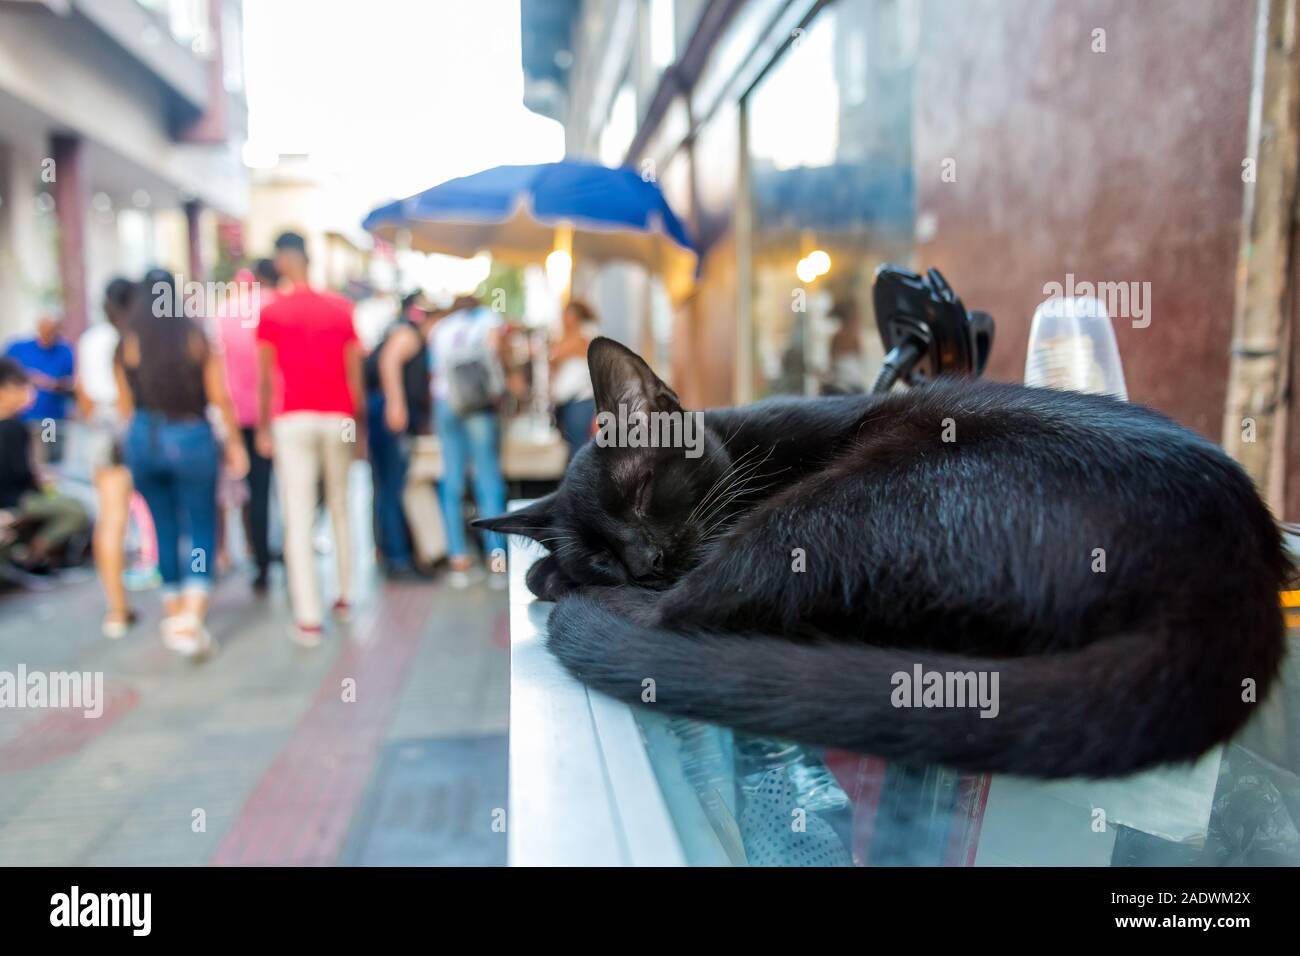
x: 386, y: 745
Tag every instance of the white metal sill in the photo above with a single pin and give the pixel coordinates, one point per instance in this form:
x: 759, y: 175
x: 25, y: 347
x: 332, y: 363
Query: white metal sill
x: 582, y: 791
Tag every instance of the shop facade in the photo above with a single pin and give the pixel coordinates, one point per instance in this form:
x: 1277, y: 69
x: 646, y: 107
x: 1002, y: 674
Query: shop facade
x: 970, y: 136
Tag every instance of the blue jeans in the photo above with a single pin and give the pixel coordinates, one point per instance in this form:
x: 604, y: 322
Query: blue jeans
x: 574, y: 419
x: 174, y: 466
x: 389, y: 457
x: 471, y: 440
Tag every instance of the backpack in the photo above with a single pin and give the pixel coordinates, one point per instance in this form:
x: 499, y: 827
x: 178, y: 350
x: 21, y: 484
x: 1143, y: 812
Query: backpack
x: 474, y: 379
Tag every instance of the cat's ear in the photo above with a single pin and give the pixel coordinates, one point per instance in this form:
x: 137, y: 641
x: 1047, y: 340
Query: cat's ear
x: 532, y: 522
x: 621, y: 377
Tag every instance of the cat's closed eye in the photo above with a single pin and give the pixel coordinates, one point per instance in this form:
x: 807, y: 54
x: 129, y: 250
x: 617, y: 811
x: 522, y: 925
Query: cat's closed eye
x: 641, y: 501
x: 603, y: 568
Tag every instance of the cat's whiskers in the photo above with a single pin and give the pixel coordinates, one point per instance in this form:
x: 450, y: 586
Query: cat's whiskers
x: 724, y: 520
x: 721, y: 506
x: 718, y: 485
x: 718, y: 517
x: 741, y: 483
x: 567, y: 542
x: 721, y: 485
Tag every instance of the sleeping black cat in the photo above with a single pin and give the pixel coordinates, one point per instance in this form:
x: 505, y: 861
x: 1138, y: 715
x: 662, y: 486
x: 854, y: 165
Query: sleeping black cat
x: 1118, y: 573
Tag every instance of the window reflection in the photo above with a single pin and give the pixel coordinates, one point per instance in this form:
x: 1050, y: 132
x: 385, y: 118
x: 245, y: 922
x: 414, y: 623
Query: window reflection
x: 830, y: 162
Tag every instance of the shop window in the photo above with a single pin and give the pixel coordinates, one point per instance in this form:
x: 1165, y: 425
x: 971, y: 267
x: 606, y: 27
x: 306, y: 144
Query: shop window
x: 662, y: 34
x: 831, y: 191
x: 620, y: 128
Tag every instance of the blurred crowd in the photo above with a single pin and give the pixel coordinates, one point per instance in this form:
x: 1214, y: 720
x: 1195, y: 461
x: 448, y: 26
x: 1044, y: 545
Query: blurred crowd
x: 252, y: 408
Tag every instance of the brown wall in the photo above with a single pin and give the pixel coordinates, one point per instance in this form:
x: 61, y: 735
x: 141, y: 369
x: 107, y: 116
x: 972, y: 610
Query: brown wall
x: 1291, y: 458
x: 1115, y: 166
x: 704, y: 331
x: 706, y: 369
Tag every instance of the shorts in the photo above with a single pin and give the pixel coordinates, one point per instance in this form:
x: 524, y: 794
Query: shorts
x: 103, y: 437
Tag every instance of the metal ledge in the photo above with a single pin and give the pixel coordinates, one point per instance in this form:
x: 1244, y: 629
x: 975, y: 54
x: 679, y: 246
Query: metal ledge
x: 582, y: 792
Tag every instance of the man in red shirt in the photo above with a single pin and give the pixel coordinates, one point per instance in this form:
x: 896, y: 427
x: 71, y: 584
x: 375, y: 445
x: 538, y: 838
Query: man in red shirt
x: 308, y: 337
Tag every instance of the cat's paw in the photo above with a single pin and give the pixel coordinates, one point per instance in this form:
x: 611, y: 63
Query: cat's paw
x: 546, y: 580
x: 635, y: 604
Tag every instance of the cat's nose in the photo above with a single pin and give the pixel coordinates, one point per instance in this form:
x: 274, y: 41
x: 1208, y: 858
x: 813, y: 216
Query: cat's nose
x: 646, y: 564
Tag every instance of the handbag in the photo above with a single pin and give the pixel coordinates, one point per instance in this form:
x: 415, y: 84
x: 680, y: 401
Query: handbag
x: 425, y: 464
x: 532, y: 449
x: 420, y: 502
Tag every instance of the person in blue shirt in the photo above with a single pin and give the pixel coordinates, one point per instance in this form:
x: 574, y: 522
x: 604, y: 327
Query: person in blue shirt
x: 48, y: 361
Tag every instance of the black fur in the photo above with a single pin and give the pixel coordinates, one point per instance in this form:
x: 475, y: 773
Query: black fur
x: 971, y: 554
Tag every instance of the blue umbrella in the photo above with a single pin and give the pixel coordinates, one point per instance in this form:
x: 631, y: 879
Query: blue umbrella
x: 514, y: 212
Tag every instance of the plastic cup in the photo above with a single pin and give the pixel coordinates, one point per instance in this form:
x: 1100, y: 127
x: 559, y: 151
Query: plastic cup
x: 1072, y: 347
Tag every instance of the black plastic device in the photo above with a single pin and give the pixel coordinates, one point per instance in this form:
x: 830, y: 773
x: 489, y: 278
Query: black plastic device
x: 926, y: 330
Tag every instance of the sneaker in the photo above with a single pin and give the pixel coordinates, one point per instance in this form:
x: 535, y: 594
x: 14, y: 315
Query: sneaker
x: 115, y: 628
x: 458, y: 579
x: 342, y: 609
x: 306, y: 635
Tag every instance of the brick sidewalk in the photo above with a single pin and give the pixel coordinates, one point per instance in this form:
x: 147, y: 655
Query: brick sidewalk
x: 254, y: 757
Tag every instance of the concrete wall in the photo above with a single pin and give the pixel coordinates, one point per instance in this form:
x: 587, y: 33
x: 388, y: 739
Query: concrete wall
x: 62, y: 69
x: 28, y: 266
x: 1120, y: 164
x: 60, y: 74
x: 1123, y: 165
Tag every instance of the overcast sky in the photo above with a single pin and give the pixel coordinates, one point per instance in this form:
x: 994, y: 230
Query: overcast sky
x: 393, y: 96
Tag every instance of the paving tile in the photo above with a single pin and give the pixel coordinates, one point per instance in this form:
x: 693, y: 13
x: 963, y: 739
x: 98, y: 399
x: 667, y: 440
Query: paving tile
x: 260, y: 737
x: 432, y: 801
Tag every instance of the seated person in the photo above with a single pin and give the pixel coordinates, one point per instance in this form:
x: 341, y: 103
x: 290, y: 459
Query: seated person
x: 49, y: 520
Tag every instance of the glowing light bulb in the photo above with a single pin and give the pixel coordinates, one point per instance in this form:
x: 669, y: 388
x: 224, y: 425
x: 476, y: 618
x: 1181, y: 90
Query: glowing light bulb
x: 559, y: 266
x: 805, y: 271
x: 820, y: 262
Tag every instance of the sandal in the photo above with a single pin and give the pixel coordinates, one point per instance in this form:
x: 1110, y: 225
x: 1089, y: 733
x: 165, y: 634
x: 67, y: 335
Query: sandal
x: 306, y: 635
x: 185, y: 634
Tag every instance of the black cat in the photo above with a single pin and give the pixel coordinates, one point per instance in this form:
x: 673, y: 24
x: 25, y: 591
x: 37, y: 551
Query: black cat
x: 1117, y: 573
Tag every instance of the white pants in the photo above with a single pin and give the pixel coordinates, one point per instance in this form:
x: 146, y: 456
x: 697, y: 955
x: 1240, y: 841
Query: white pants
x: 307, y: 446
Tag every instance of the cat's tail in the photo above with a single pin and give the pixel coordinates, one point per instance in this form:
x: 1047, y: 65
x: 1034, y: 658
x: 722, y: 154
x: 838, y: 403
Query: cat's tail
x: 1118, y: 705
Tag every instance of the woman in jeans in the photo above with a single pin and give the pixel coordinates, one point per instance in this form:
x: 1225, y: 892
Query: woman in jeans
x: 467, y: 343
x: 575, y: 404
x: 167, y: 377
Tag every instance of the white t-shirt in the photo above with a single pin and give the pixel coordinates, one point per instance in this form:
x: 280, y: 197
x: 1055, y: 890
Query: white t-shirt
x: 462, y: 337
x: 95, y: 350
x: 572, y: 382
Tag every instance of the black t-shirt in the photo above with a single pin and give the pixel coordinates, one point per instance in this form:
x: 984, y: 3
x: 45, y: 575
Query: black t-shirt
x: 16, y: 475
x: 415, y: 379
